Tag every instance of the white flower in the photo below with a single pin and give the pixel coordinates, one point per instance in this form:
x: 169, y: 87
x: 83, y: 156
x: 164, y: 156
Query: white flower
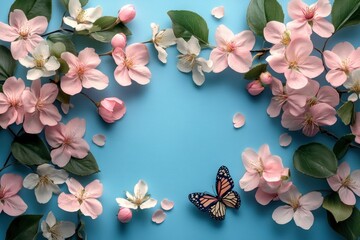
x: 54, y: 230
x: 139, y: 199
x: 41, y: 63
x: 81, y: 19
x: 353, y: 84
x: 162, y: 40
x: 188, y: 60
x: 45, y: 181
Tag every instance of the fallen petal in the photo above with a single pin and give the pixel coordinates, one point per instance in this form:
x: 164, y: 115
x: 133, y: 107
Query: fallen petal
x: 218, y: 12
x: 238, y: 120
x: 285, y: 140
x: 166, y: 204
x: 158, y: 216
x: 99, y: 139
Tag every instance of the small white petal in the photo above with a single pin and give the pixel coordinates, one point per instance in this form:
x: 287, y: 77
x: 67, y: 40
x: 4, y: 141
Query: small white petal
x: 52, y: 64
x: 285, y: 139
x: 125, y: 203
x: 218, y: 12
x: 70, y: 22
x: 83, y: 26
x: 182, y: 46
x: 238, y: 120
x: 65, y: 229
x: 194, y: 46
x: 167, y: 38
x: 162, y: 54
x: 166, y: 204
x: 50, y: 219
x: 34, y: 74
x: 99, y: 140
x: 74, y: 8
x: 148, y: 204
x: 27, y: 62
x: 197, y: 75
x: 31, y: 181
x: 155, y: 30
x: 158, y: 216
x: 353, y: 97
x: 140, y: 189
x: 93, y: 14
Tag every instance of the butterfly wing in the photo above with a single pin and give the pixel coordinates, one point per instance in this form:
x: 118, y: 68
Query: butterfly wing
x: 232, y: 199
x: 217, y: 211
x: 203, y: 201
x: 224, y: 186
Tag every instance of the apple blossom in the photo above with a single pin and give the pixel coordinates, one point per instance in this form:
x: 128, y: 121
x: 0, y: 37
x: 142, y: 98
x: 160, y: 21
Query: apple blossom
x: 353, y: 85
x: 324, y: 94
x: 269, y: 191
x: 111, y: 109
x: 162, y: 40
x: 54, y: 230
x: 127, y: 13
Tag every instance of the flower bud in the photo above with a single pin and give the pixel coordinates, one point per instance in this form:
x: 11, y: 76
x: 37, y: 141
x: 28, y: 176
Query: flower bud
x: 124, y: 215
x: 127, y: 13
x: 255, y: 87
x: 266, y: 78
x: 111, y: 109
x: 119, y: 41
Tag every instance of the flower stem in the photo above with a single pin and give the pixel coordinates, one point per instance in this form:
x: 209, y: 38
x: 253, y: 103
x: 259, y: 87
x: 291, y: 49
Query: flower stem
x: 88, y: 97
x: 264, y: 50
x: 56, y: 31
x: 332, y: 135
x: 11, y: 131
x: 109, y: 53
x: 6, y: 162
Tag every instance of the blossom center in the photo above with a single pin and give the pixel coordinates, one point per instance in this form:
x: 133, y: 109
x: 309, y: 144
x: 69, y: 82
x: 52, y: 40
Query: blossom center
x: 39, y: 63
x: 346, y: 182
x: 308, y: 120
x: 45, y: 180
x: 81, y: 196
x: 24, y: 32
x: 1, y: 194
x: 81, y: 17
x: 355, y: 87
x: 312, y: 101
x: 293, y: 65
x: 81, y: 71
x: 309, y: 12
x: 189, y: 58
x: 128, y: 63
x: 285, y: 38
x: 230, y: 47
x: 14, y: 102
x: 67, y: 141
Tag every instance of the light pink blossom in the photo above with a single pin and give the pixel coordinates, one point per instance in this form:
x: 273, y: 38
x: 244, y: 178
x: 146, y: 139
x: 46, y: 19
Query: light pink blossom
x: 269, y: 191
x: 313, y: 17
x: 10, y: 202
x: 39, y: 108
x: 232, y: 50
x: 355, y: 128
x: 11, y: 105
x: 67, y: 141
x: 82, y: 72
x: 131, y: 64
x: 297, y: 64
x: 111, y: 109
x: 299, y: 207
x: 266, y: 78
x: 23, y: 34
x: 255, y: 87
x: 83, y: 199
x: 324, y: 94
x: 346, y: 184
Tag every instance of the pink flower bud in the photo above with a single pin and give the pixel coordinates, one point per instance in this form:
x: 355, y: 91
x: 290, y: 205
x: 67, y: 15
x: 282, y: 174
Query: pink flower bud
x: 111, y: 109
x: 124, y: 215
x: 119, y: 41
x: 127, y: 13
x: 266, y: 78
x: 255, y: 87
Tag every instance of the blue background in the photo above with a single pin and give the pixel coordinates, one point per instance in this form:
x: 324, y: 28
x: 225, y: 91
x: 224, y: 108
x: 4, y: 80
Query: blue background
x: 175, y: 136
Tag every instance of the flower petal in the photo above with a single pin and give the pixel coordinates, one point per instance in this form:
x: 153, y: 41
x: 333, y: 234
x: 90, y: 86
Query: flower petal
x: 283, y: 214
x: 159, y: 216
x: 238, y: 120
x: 148, y: 204
x: 166, y: 204
x: 91, y: 207
x: 125, y: 203
x: 94, y: 189
x: 68, y: 202
x: 14, y: 206
x: 303, y: 218
x: 218, y: 12
x: 99, y: 140
x: 285, y: 139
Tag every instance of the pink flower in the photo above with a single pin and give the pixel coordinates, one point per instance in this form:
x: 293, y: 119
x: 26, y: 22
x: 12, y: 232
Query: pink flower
x: 269, y: 191
x: 67, y: 141
x: 321, y: 114
x: 111, y: 109
x: 232, y: 50
x: 83, y: 199
x: 22, y: 33
x: 11, y: 203
x: 266, y: 78
x: 11, y: 105
x: 355, y: 128
x: 297, y: 64
x: 255, y: 87
x: 325, y: 94
x: 299, y: 207
x: 131, y: 64
x: 341, y: 60
x: 311, y: 17
x: 82, y: 72
x: 119, y: 41
x: 39, y: 108
x: 127, y: 13
x: 346, y: 184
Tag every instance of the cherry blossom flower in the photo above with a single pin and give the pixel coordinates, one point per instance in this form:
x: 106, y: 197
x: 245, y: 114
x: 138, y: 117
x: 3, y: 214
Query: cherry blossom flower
x: 346, y: 184
x: 140, y: 199
x: 342, y: 60
x: 162, y: 40
x: 45, y: 182
x: 232, y: 50
x: 131, y: 64
x: 54, y: 230
x: 39, y: 108
x: 23, y: 34
x: 189, y: 60
x: 353, y: 85
x: 313, y: 17
x: 82, y: 72
x: 83, y: 199
x: 297, y: 64
x: 41, y: 63
x: 67, y: 141
x: 11, y: 105
x: 269, y: 191
x: 325, y: 94
x: 299, y: 207
x: 111, y: 109
x: 81, y: 19
x: 11, y: 203
x: 355, y: 128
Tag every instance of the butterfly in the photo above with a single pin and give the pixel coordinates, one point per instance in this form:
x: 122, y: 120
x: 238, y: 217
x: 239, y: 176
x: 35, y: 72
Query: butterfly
x: 226, y: 197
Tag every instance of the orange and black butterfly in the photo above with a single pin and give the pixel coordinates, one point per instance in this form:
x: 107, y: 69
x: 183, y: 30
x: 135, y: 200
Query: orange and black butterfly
x: 226, y: 197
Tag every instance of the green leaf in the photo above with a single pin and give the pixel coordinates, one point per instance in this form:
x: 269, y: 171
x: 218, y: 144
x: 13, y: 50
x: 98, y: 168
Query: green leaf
x: 66, y: 3
x: 1, y: 88
x: 186, y: 24
x: 63, y: 97
x: 342, y: 145
x: 106, y: 35
x: 7, y: 63
x: 83, y: 167
x: 256, y: 71
x: 346, y: 112
x: 260, y: 12
x: 349, y: 228
x: 80, y: 231
x: 105, y: 22
x: 64, y: 39
x: 338, y: 209
x: 30, y: 150
x: 23, y: 227
x: 315, y: 160
x: 345, y: 13
x: 34, y: 8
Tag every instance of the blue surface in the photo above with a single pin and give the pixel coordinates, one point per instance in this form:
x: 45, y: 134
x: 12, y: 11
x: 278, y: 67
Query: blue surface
x: 175, y: 136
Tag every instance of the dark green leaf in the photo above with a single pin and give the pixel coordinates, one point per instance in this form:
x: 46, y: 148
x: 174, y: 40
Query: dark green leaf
x: 315, y: 160
x: 105, y: 22
x: 345, y: 13
x: 349, y: 228
x: 106, y: 35
x: 66, y: 3
x: 23, y: 227
x: 80, y: 231
x: 346, y: 112
x: 64, y: 39
x: 186, y: 24
x: 63, y: 97
x: 1, y: 88
x: 260, y: 12
x: 34, y: 8
x: 339, y: 210
x: 255, y: 72
x: 30, y: 150
x: 82, y: 167
x: 7, y: 63
x: 342, y: 145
